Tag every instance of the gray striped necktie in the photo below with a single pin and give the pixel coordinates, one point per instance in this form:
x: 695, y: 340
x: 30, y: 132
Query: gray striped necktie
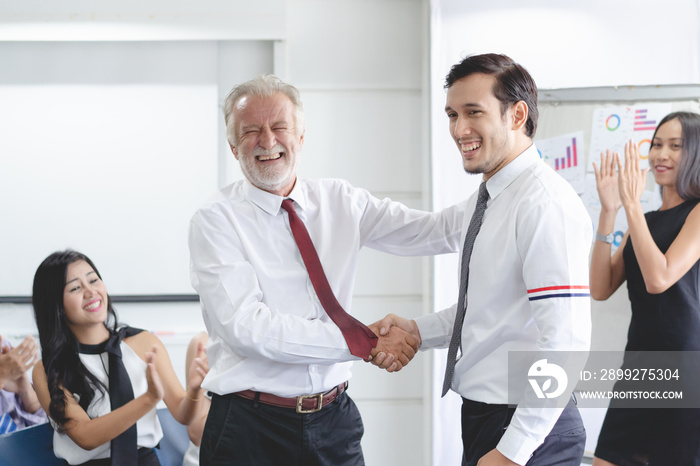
x: 472, y: 231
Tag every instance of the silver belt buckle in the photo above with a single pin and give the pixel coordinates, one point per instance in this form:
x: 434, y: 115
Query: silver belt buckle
x: 319, y: 403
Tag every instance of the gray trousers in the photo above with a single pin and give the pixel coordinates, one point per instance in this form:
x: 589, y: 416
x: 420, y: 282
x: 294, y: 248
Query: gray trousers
x: 483, y: 426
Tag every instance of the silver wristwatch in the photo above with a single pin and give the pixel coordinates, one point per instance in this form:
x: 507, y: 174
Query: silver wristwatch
x: 609, y: 238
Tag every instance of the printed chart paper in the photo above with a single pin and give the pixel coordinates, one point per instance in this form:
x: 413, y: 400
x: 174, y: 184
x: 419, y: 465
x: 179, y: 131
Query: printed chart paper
x: 566, y: 156
x: 612, y: 127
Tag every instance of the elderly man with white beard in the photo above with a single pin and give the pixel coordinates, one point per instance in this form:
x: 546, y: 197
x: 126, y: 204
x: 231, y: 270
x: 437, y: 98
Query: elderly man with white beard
x: 273, y: 258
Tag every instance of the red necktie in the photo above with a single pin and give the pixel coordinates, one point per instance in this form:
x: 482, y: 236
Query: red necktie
x: 359, y: 338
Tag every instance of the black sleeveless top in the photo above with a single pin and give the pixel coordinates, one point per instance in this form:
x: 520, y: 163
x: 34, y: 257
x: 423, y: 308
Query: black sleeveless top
x: 669, y: 321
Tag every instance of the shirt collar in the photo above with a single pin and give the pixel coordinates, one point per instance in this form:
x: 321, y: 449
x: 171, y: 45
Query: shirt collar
x: 506, y: 175
x: 272, y: 203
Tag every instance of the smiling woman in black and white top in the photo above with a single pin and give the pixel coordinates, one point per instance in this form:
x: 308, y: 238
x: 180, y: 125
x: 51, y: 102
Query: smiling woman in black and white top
x: 100, y: 383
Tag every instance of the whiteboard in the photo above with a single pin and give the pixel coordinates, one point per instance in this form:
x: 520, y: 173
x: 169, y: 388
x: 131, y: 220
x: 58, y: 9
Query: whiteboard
x: 107, y: 148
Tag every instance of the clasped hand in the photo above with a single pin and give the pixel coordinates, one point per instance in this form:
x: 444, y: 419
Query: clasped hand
x: 399, y: 340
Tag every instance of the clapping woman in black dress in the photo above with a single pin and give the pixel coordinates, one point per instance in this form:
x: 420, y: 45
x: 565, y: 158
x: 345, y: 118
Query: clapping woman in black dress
x: 659, y: 258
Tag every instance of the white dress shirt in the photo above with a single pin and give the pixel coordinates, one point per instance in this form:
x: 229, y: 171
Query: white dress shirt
x: 527, y: 291
x: 267, y: 329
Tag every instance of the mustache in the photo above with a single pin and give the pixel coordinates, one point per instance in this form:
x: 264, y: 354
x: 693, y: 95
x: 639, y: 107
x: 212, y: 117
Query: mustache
x: 274, y: 150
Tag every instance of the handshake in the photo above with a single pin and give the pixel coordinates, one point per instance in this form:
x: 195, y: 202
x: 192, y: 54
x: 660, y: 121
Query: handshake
x: 399, y: 339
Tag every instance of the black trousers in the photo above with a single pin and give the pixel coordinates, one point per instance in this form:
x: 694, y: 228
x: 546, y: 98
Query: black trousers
x: 483, y: 426
x: 242, y: 432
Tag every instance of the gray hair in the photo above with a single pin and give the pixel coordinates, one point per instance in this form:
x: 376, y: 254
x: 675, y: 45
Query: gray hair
x: 263, y: 86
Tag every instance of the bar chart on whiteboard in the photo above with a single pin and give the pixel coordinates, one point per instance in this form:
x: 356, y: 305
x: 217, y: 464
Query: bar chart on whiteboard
x: 565, y: 155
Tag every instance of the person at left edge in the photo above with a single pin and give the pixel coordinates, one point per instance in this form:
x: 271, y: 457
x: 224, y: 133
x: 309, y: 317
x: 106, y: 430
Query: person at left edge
x: 270, y: 337
x: 19, y: 406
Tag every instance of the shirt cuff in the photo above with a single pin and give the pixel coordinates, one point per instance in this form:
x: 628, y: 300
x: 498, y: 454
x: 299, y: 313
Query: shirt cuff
x: 516, y: 446
x: 30, y: 419
x: 431, y: 332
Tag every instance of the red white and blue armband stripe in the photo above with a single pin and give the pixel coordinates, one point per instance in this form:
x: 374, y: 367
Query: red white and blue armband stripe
x: 564, y: 291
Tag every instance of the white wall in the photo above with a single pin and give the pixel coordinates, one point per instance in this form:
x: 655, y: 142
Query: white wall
x: 361, y: 67
x: 128, y: 20
x: 106, y: 143
x: 579, y: 44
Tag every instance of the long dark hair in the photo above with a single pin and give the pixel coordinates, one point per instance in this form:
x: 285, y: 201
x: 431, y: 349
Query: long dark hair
x: 688, y: 179
x: 59, y: 347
